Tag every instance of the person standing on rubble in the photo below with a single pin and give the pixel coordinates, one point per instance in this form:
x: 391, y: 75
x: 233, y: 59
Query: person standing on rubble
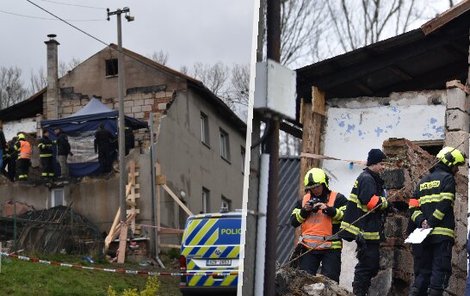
x: 367, y: 197
x: 10, y: 158
x: 319, y: 214
x: 23, y: 163
x: 63, y: 151
x: 45, y: 155
x: 3, y: 145
x: 436, y: 195
x: 104, y: 147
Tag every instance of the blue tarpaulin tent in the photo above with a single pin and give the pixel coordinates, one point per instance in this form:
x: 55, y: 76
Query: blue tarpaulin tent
x: 80, y: 128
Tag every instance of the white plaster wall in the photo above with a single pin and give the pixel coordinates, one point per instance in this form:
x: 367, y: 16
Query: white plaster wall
x: 351, y: 132
x: 11, y: 128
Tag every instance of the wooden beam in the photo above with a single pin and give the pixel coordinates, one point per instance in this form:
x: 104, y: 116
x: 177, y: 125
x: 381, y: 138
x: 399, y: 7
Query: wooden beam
x: 109, y: 238
x: 122, y: 243
x: 178, y: 201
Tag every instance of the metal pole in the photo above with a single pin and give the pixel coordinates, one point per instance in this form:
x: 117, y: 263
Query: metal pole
x: 273, y: 38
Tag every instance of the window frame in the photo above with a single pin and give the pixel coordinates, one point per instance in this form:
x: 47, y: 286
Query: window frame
x: 224, y: 145
x: 54, y: 191
x: 205, y: 134
x: 206, y: 196
x: 111, y: 64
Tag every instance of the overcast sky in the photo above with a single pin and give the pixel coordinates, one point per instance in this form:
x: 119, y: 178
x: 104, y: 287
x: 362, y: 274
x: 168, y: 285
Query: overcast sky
x: 190, y: 31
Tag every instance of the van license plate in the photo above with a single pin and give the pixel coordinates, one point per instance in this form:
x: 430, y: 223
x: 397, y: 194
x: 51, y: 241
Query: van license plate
x: 219, y: 262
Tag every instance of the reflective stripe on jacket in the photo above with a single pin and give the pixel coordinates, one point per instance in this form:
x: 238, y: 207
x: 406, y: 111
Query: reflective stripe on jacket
x: 367, y: 195
x: 45, y: 147
x: 335, y: 213
x: 436, y: 195
x: 24, y: 149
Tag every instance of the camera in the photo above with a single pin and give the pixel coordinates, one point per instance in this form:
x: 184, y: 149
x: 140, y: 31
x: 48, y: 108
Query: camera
x: 312, y: 202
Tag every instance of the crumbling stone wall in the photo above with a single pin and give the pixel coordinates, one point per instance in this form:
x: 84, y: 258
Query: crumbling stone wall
x: 408, y: 163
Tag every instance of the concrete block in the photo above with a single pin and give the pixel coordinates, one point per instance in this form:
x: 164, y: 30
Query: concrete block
x: 456, y: 138
x: 139, y: 115
x: 76, y: 108
x: 457, y: 120
x: 128, y: 103
x: 138, y: 102
x: 162, y: 94
x: 149, y: 101
x: 67, y: 110
x: 136, y: 109
x: 147, y: 108
x: 127, y: 110
x: 66, y: 103
x: 162, y: 106
x: 457, y: 99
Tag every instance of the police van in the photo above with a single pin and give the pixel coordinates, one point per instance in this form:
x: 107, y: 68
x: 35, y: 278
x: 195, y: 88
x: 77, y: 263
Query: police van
x: 210, y: 254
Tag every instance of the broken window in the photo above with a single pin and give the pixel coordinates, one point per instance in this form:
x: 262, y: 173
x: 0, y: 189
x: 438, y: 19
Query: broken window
x: 112, y: 67
x: 432, y: 146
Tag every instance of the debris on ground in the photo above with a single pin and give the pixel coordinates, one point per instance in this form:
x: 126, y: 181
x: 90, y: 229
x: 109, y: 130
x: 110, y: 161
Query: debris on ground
x: 295, y: 282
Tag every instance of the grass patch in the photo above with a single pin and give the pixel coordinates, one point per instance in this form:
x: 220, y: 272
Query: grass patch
x: 26, y: 278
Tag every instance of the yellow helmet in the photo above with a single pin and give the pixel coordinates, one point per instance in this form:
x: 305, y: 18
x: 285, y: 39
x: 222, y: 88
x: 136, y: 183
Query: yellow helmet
x: 451, y: 156
x: 315, y: 177
x: 21, y: 136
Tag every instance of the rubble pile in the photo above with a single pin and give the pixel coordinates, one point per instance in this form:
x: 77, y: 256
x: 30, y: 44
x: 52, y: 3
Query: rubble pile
x: 296, y: 282
x: 407, y: 164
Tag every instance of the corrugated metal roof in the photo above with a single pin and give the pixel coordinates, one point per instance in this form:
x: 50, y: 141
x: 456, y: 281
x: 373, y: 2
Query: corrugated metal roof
x: 289, y: 174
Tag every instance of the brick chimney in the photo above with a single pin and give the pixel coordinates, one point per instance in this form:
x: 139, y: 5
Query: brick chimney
x: 51, y: 104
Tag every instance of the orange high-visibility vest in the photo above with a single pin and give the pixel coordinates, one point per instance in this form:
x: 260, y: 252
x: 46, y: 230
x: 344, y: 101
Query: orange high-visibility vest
x: 318, y: 226
x: 25, y: 150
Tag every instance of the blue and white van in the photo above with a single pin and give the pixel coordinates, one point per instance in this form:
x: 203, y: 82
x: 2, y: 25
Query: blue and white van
x: 210, y: 252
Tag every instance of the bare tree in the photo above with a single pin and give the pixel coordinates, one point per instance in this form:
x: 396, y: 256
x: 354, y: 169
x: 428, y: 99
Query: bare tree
x: 302, y: 24
x: 160, y: 57
x: 37, y: 80
x: 65, y: 67
x: 238, y: 91
x: 11, y: 86
x: 214, y: 76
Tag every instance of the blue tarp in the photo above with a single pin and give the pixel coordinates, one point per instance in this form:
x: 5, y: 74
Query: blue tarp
x: 80, y: 128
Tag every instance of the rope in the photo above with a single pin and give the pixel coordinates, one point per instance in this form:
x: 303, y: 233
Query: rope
x: 336, y: 235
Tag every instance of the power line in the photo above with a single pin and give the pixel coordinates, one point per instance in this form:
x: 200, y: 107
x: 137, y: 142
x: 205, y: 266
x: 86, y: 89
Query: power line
x: 65, y: 21
x: 47, y: 19
x: 76, y: 5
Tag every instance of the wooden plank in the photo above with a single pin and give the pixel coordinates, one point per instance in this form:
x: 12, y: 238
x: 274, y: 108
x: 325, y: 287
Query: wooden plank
x: 178, y: 201
x: 133, y: 211
x: 109, y: 237
x: 122, y: 243
x: 158, y: 212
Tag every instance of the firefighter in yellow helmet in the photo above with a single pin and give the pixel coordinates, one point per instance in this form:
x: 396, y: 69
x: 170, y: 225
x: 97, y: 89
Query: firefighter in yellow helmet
x: 23, y: 147
x: 436, y: 194
x: 319, y: 214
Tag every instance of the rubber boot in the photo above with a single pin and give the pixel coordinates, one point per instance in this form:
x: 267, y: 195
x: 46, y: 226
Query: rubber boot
x: 434, y: 292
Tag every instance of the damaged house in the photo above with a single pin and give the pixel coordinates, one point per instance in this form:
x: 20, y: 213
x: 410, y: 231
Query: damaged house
x: 412, y: 86
x: 198, y: 142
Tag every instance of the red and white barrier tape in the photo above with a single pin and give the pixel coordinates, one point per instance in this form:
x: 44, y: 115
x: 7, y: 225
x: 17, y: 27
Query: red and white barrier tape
x: 116, y: 270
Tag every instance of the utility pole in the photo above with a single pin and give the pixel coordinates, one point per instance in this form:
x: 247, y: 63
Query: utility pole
x: 273, y: 18
x: 121, y: 126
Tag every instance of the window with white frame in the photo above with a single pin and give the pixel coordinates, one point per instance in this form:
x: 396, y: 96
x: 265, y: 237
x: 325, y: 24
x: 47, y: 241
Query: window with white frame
x: 57, y: 197
x: 204, y: 129
x: 224, y: 145
x: 205, y: 200
x: 226, y: 203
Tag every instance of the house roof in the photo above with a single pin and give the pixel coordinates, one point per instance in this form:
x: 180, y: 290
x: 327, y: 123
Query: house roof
x: 24, y: 109
x: 425, y: 58
x: 34, y: 104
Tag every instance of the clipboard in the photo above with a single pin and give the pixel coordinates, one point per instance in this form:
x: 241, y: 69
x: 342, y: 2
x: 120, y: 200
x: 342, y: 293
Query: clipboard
x: 418, y: 235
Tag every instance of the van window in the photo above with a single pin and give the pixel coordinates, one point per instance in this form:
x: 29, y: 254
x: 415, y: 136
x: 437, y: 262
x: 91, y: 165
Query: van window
x: 219, y: 230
